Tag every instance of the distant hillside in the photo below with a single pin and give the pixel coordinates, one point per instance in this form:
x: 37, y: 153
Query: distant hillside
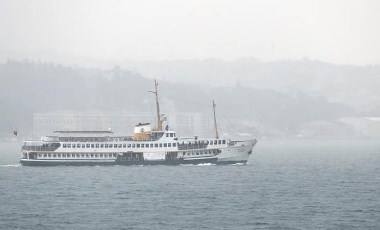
x: 28, y: 88
x: 356, y: 86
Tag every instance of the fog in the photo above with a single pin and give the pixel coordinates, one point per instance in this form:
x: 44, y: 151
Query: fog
x: 276, y: 69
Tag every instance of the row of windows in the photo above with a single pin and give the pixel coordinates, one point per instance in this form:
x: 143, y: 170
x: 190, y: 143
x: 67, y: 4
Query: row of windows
x: 170, y: 135
x: 144, y: 145
x: 82, y: 155
x: 215, y: 142
x: 200, y: 153
x: 211, y: 142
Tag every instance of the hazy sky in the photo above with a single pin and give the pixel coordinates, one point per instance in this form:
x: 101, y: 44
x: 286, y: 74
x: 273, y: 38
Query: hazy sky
x: 345, y: 31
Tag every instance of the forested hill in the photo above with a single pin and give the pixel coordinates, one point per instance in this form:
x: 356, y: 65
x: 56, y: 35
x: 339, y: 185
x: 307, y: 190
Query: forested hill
x: 27, y: 88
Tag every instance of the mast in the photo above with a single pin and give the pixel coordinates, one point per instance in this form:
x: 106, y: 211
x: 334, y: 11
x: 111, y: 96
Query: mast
x: 159, y: 122
x: 216, y: 126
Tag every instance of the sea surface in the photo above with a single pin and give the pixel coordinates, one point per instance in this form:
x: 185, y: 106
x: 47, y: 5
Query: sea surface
x: 286, y: 185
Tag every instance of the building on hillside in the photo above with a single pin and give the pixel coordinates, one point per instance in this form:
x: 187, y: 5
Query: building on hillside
x: 186, y: 124
x: 119, y: 123
x: 326, y: 129
x: 364, y: 126
x: 190, y: 124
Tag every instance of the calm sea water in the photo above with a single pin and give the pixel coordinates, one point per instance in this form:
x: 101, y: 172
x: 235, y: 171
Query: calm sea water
x: 286, y: 185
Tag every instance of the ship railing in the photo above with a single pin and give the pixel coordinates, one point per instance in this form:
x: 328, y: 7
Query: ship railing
x: 94, y: 139
x: 102, y: 139
x: 42, y: 148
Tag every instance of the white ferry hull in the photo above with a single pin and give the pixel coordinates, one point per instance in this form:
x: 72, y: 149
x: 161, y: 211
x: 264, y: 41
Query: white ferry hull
x: 239, y: 153
x: 57, y: 162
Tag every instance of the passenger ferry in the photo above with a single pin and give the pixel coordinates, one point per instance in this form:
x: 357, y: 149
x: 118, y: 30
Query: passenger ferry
x: 147, y: 146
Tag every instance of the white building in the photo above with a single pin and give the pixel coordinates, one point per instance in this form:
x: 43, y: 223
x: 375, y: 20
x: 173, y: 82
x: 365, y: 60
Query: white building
x: 189, y: 124
x: 185, y: 124
x: 119, y: 123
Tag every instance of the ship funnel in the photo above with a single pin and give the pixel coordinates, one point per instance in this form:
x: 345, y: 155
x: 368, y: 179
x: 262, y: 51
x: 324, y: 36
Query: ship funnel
x: 142, y: 131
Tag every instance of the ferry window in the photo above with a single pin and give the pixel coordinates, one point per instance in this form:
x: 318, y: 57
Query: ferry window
x: 160, y: 145
x: 110, y: 155
x: 110, y: 146
x: 197, y: 153
x: 142, y: 145
x: 92, y: 155
x: 129, y: 145
x: 133, y: 145
x: 188, y: 154
x: 167, y: 135
x: 170, y: 145
x: 106, y: 145
x: 97, y: 145
x: 146, y: 145
x: 49, y: 155
x: 45, y: 155
x: 215, y: 142
x: 101, y: 145
x: 83, y: 146
x: 120, y: 145
x: 114, y: 154
x: 174, y: 144
x: 115, y: 145
x: 96, y: 155
x: 82, y: 154
x: 224, y: 141
x: 156, y: 145
x: 39, y: 154
x: 138, y: 145
x: 87, y: 155
x: 211, y: 142
x: 87, y: 145
x: 101, y: 155
x: 68, y: 145
x: 124, y: 145
x: 73, y: 145
x: 64, y: 145
x: 151, y: 145
x: 92, y: 145
x: 78, y: 155
x: 220, y: 142
x: 165, y: 145
x: 59, y: 155
x: 54, y: 155
x: 78, y: 145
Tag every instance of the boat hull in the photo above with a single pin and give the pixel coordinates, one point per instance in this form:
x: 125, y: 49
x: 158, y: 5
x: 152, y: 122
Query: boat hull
x: 34, y: 162
x: 179, y: 161
x: 236, y: 154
